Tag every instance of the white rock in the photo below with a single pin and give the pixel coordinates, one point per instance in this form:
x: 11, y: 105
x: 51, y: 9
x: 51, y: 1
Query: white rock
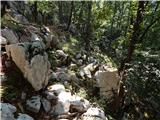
x: 3, y: 40
x: 36, y: 69
x: 73, y: 66
x: 87, y: 70
x: 80, y: 62
x: 60, y: 53
x: 34, y: 104
x: 84, y: 57
x: 56, y: 88
x: 9, y: 35
x: 6, y: 111
x: 46, y: 104
x: 64, y: 98
x: 35, y: 37
x: 63, y: 104
x: 24, y: 117
x: 79, y: 103
x: 94, y: 114
x: 108, y: 81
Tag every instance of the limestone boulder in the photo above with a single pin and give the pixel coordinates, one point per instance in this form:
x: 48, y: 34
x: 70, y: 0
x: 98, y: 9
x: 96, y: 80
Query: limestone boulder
x: 56, y: 88
x: 94, y: 114
x: 9, y: 35
x: 46, y: 105
x: 24, y: 117
x: 64, y: 99
x: 79, y: 104
x: 50, y: 95
x: 3, y: 40
x: 63, y: 104
x: 108, y: 81
x: 7, y: 111
x: 33, y: 104
x: 32, y: 61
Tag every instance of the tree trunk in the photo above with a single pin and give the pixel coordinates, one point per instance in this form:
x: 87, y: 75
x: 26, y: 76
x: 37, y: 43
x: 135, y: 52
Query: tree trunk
x: 134, y: 36
x: 35, y: 11
x: 70, y: 16
x: 119, y: 100
x: 115, y: 10
x: 88, y: 29
x: 4, y: 5
x: 60, y: 14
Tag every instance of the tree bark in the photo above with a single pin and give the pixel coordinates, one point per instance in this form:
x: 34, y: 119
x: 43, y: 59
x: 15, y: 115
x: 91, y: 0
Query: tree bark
x: 70, y: 16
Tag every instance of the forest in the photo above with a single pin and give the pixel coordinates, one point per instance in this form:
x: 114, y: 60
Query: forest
x: 80, y: 60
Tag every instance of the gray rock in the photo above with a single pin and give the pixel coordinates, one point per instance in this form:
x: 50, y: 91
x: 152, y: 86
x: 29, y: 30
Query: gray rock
x: 20, y: 18
x: 90, y: 59
x: 53, y: 76
x: 35, y: 37
x: 3, y: 40
x: 78, y: 56
x: 57, y: 109
x: 9, y: 35
x: 63, y: 38
x: 46, y: 105
x: 56, y: 88
x: 79, y: 103
x: 37, y: 47
x: 24, y: 117
x: 80, y: 62
x: 6, y: 111
x: 34, y: 104
x: 94, y: 114
x: 31, y: 61
x: 63, y: 104
x: 63, y: 76
x: 50, y: 95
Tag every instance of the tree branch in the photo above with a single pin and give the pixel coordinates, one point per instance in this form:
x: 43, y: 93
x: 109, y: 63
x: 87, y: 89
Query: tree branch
x: 147, y: 28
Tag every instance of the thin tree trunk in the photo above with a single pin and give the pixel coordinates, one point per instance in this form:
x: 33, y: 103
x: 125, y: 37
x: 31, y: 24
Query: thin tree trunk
x: 35, y: 11
x: 119, y: 100
x: 60, y: 11
x: 4, y: 5
x: 147, y: 28
x: 115, y: 9
x: 134, y: 36
x: 70, y: 16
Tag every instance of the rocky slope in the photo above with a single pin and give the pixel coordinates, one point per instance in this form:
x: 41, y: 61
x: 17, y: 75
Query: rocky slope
x: 44, y: 80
